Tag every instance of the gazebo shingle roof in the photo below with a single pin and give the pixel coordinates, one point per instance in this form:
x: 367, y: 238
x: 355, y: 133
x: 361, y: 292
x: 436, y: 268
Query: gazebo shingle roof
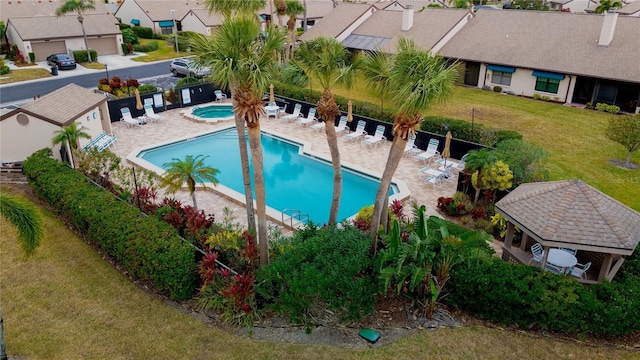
x: 572, y: 212
x: 76, y: 99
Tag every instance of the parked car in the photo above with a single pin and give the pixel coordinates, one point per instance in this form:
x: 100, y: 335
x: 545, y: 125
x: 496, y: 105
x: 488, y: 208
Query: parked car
x: 189, y: 68
x: 62, y: 61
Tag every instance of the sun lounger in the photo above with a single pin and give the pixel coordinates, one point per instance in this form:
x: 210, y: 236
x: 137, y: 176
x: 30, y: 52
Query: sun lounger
x: 127, y: 119
x: 150, y: 114
x: 410, y: 147
x: 376, y: 138
x: 431, y: 153
x: 311, y: 117
x: 359, y: 131
x: 220, y: 95
x: 342, y: 125
x: 100, y: 142
x: 319, y: 127
x: 295, y: 115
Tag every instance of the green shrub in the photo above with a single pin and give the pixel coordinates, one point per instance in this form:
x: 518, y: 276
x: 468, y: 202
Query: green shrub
x: 602, y: 106
x: 536, y: 97
x: 147, y: 89
x: 32, y: 57
x: 81, y: 55
x: 497, y: 89
x: 124, y: 26
x: 143, y: 32
x: 149, y: 249
x: 187, y: 81
x: 151, y: 46
x: 545, y: 98
x: 4, y: 69
x: 129, y: 37
x: 325, y: 268
x: 613, y: 109
x: 125, y: 48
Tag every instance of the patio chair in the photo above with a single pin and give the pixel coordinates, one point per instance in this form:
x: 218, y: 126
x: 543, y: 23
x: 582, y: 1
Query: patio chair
x: 150, y: 114
x: 342, y: 125
x: 359, y: 131
x: 220, y: 95
x: 311, y: 117
x: 538, y: 253
x: 93, y: 141
x: 408, y: 149
x: 436, y: 180
x: 431, y: 153
x: 106, y: 141
x: 462, y: 164
x: 127, y: 119
x: 570, y: 250
x: 376, y: 138
x: 579, y: 270
x: 448, y: 175
x: 295, y: 115
x: 552, y: 268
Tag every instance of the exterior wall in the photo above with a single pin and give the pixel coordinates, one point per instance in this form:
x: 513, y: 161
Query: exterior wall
x: 14, y: 38
x: 192, y: 23
x: 524, y: 83
x: 20, y: 141
x: 130, y: 10
x: 93, y: 122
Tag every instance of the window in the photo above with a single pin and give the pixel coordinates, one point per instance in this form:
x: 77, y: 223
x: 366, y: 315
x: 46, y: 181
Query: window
x: 547, y: 85
x: 501, y: 78
x: 167, y: 30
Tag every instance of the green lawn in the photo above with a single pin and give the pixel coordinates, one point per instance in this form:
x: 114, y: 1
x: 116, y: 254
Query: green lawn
x: 66, y: 302
x: 574, y: 138
x: 164, y: 52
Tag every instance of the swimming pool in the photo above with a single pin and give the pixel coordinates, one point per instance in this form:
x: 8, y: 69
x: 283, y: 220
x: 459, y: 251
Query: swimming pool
x: 293, y: 179
x: 211, y: 113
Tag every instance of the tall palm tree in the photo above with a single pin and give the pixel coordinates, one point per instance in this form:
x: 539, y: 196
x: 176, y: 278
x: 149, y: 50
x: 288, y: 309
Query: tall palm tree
x: 294, y: 8
x: 327, y: 60
x: 69, y: 137
x: 606, y: 5
x: 79, y: 7
x: 417, y: 79
x: 281, y: 10
x: 229, y: 8
x: 191, y: 170
x: 479, y: 160
x: 377, y: 72
x: 243, y: 61
x: 26, y: 219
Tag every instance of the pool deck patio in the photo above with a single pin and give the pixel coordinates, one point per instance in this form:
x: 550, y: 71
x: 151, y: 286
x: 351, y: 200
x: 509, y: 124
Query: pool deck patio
x: 353, y: 154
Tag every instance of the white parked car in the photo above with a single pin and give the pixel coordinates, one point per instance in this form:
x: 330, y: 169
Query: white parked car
x: 188, y: 67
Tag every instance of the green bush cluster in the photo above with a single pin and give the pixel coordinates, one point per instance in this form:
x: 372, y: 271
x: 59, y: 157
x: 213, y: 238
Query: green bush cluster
x: 148, y: 248
x: 463, y: 130
x: 143, y: 32
x: 81, y: 55
x: 531, y: 298
x: 151, y: 46
x: 4, y: 69
x: 147, y: 89
x: 613, y: 109
x: 325, y: 267
x: 124, y: 26
x: 129, y: 37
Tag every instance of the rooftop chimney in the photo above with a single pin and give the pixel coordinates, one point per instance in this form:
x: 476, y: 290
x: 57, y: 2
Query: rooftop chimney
x: 608, y: 28
x: 407, y: 18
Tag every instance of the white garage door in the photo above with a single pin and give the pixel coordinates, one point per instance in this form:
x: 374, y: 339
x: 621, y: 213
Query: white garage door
x: 44, y: 49
x: 104, y: 46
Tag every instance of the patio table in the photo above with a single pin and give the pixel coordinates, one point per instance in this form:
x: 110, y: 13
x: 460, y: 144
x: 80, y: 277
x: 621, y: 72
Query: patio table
x: 272, y: 110
x: 441, y: 161
x: 561, y: 259
x: 429, y: 171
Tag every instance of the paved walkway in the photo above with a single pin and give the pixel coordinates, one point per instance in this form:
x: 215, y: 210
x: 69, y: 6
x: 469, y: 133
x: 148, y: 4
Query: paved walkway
x: 175, y: 126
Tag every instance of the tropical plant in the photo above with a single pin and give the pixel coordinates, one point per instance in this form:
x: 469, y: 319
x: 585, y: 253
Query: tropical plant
x: 79, y: 7
x: 281, y: 10
x: 26, y: 219
x: 228, y: 8
x: 243, y: 61
x: 525, y: 160
x: 327, y: 60
x: 626, y: 131
x: 69, y: 136
x: 294, y: 8
x: 606, y: 5
x: 417, y: 79
x: 191, y: 170
x: 478, y: 160
x: 377, y: 73
x: 496, y: 176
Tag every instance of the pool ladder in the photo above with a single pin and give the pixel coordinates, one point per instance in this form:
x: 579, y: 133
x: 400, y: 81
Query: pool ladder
x: 301, y: 218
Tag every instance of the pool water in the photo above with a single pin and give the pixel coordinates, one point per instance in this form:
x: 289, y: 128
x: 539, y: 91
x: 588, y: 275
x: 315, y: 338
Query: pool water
x: 214, y: 111
x: 292, y: 180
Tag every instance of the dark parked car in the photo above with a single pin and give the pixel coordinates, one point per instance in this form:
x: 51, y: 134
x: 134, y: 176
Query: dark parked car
x: 62, y: 61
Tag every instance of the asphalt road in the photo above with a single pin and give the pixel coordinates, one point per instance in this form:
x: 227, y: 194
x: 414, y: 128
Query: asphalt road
x: 28, y: 91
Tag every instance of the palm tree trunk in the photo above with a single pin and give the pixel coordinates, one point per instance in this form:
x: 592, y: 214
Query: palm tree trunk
x: 332, y: 140
x: 3, y: 351
x: 479, y: 184
x: 193, y: 198
x: 382, y: 196
x: 258, y: 180
x: 84, y: 34
x: 246, y: 176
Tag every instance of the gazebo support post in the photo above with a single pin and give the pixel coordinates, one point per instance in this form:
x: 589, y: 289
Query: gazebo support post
x: 606, y: 266
x: 525, y: 240
x: 508, y: 238
x: 543, y: 263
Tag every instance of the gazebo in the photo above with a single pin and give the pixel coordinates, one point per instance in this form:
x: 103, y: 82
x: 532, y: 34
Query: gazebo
x: 570, y: 214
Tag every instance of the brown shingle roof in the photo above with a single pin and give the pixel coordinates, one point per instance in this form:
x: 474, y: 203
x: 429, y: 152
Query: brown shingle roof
x: 630, y: 8
x: 160, y: 10
x: 12, y: 8
x: 205, y: 17
x: 64, y: 105
x: 337, y: 20
x: 51, y: 27
x: 554, y: 41
x: 572, y: 212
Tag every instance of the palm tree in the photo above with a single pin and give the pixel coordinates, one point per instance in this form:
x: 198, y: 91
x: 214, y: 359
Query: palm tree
x: 243, y: 61
x: 377, y: 73
x: 230, y: 8
x: 26, y: 219
x: 326, y: 59
x: 294, y: 8
x: 191, y: 170
x: 69, y: 137
x: 281, y: 10
x: 479, y: 160
x: 606, y: 5
x: 417, y: 79
x: 79, y: 7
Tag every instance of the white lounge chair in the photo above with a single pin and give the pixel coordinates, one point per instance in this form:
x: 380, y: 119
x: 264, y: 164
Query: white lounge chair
x: 106, y: 141
x: 93, y: 141
x: 220, y: 95
x: 311, y: 117
x: 359, y: 131
x: 127, y: 119
x: 342, y: 125
x: 319, y: 127
x: 150, y: 114
x: 431, y: 153
x: 376, y: 138
x: 408, y: 149
x: 295, y: 115
x: 463, y: 162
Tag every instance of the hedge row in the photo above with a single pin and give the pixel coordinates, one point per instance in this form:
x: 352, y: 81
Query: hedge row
x: 148, y: 248
x: 143, y: 32
x: 531, y: 298
x: 81, y: 56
